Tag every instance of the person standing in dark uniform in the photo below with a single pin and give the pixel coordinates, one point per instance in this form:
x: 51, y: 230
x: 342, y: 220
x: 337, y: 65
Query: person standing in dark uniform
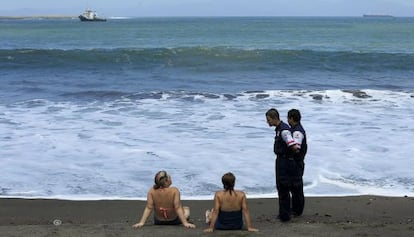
x: 299, y: 136
x: 287, y: 182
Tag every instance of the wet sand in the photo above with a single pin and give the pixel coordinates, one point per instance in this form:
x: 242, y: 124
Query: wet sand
x: 323, y: 216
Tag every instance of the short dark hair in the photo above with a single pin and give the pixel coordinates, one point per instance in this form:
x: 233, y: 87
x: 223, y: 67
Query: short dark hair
x: 295, y: 115
x: 273, y: 113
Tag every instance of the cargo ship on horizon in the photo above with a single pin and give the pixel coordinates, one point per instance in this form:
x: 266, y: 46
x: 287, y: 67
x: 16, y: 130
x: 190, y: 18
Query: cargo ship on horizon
x: 378, y: 15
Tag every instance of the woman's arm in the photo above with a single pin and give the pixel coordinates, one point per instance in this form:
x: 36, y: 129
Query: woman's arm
x: 214, y: 214
x: 179, y: 210
x: 147, y: 211
x: 144, y: 218
x: 246, y: 214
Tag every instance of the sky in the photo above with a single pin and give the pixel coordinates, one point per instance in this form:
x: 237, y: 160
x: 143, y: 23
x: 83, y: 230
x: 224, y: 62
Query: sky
x: 145, y: 8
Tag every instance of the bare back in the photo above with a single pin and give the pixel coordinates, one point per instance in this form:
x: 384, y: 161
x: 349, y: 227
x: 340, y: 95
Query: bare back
x: 165, y: 201
x: 230, y: 202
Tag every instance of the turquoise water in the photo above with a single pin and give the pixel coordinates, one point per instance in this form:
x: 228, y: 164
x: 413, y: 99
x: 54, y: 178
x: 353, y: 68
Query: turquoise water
x: 281, y: 33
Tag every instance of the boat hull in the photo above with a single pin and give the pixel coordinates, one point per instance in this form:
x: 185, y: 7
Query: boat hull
x: 83, y: 18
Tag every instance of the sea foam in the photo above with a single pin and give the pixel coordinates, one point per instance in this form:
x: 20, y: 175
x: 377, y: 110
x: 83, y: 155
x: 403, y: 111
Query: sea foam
x: 112, y: 149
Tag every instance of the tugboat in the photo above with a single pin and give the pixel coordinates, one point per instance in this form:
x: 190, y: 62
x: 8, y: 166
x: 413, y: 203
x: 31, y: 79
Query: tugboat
x: 90, y: 15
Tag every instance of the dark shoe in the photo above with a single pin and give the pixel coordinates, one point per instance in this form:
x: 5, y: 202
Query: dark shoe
x: 284, y: 219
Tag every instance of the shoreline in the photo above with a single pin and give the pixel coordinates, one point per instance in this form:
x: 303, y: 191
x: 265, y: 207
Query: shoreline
x: 366, y: 215
x: 188, y: 198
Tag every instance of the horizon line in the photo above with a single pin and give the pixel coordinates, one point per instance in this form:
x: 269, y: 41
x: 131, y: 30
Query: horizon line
x: 58, y: 16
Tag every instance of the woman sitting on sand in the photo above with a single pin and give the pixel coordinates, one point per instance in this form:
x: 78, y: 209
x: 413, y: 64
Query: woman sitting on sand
x: 229, y: 208
x: 166, y: 203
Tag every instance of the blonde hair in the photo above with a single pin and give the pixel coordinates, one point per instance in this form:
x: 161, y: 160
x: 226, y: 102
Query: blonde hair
x: 161, y: 179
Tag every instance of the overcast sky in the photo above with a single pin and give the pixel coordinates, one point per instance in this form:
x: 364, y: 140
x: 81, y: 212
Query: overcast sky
x: 209, y: 7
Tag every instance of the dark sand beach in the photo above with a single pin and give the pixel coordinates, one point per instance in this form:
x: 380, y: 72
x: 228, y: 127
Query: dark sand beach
x: 323, y: 216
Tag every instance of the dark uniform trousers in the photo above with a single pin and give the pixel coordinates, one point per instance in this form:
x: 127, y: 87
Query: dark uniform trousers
x: 289, y: 183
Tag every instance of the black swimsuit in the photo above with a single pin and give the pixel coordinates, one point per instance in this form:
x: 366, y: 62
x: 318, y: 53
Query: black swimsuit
x: 229, y: 220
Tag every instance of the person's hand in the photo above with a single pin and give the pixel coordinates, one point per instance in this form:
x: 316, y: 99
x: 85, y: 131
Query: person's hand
x: 252, y: 229
x: 296, y: 148
x: 189, y: 225
x: 208, y: 230
x: 138, y: 225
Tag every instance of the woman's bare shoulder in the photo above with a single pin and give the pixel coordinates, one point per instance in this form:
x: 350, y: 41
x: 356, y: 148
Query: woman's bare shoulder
x: 173, y: 189
x: 241, y: 193
x: 219, y: 193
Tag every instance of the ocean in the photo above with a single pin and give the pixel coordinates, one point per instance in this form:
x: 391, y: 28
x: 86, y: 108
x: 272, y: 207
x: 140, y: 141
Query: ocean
x: 92, y: 110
